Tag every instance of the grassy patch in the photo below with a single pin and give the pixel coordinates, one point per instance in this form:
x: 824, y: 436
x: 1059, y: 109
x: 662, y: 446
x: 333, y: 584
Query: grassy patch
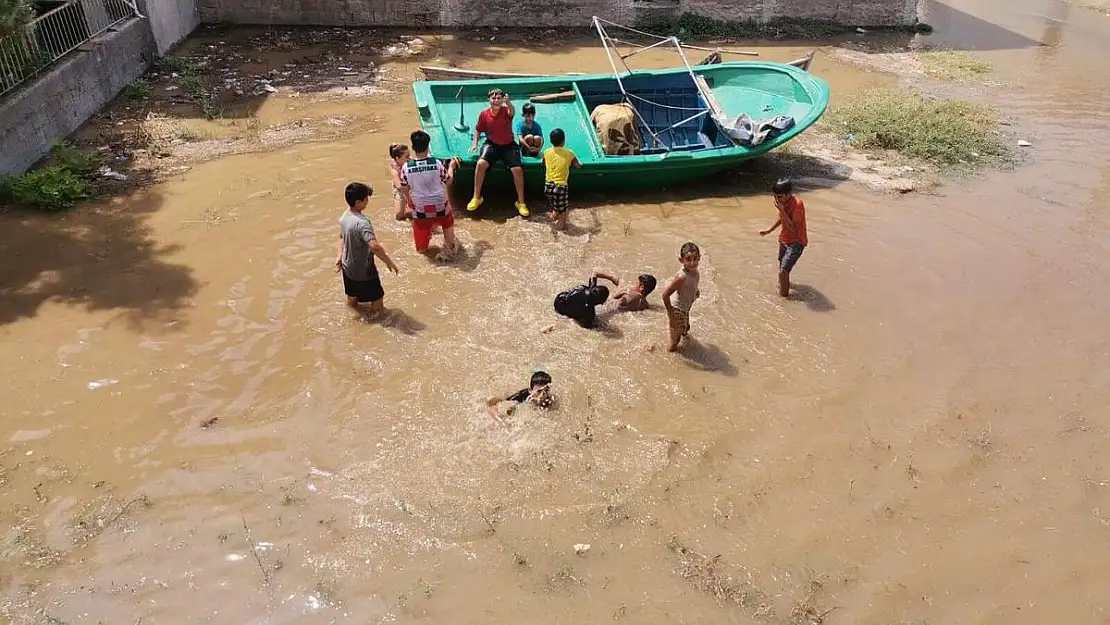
x: 57, y: 186
x: 941, y: 132
x: 692, y: 27
x: 955, y: 66
x: 192, y: 83
x: 138, y: 90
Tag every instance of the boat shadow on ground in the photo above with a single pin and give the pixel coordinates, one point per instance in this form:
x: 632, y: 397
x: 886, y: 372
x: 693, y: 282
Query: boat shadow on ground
x: 752, y: 178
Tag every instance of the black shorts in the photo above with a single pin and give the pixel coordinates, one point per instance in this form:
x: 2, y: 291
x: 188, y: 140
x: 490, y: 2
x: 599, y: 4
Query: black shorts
x: 364, y: 290
x: 509, y: 154
x: 557, y: 196
x: 789, y: 253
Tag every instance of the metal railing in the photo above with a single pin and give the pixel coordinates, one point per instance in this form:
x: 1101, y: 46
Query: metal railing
x: 55, y: 34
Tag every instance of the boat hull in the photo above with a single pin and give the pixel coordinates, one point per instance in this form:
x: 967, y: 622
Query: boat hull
x: 691, y: 150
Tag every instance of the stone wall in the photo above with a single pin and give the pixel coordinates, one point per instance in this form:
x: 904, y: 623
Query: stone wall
x: 464, y: 13
x: 51, y: 106
x: 43, y: 112
x: 170, y: 21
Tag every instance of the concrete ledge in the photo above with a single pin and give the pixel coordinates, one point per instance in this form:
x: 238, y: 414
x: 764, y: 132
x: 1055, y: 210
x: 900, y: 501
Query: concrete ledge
x: 544, y: 13
x: 56, y: 103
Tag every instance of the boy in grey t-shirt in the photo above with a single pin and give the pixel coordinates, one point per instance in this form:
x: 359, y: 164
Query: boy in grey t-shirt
x: 357, y: 248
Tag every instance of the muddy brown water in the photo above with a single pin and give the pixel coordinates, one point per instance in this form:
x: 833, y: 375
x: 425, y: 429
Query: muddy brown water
x: 197, y: 431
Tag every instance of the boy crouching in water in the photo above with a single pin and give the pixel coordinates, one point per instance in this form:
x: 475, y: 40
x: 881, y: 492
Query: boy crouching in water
x: 557, y: 161
x: 538, y: 394
x: 424, y: 181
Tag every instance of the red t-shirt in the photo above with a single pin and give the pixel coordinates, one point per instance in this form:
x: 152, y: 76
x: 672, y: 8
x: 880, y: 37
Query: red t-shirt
x: 796, y: 209
x: 498, y: 128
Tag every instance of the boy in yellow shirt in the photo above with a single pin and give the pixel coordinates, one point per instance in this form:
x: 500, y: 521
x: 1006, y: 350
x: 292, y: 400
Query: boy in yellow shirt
x: 558, y: 160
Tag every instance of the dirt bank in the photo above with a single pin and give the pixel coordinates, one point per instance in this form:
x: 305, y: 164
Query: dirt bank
x: 230, y: 91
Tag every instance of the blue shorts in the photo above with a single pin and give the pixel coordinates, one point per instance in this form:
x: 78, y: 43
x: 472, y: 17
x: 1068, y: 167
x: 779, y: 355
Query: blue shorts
x: 789, y: 253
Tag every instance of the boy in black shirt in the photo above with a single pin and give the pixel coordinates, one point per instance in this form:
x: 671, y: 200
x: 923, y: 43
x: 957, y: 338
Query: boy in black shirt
x: 578, y: 303
x: 538, y: 394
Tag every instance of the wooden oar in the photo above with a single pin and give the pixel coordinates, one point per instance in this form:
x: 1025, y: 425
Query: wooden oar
x: 725, y: 50
x: 552, y: 97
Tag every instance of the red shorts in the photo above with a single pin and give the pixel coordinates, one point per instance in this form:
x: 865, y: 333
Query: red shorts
x: 422, y: 229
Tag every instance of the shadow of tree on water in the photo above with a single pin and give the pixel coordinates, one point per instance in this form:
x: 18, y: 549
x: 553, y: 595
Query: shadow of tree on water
x: 99, y: 257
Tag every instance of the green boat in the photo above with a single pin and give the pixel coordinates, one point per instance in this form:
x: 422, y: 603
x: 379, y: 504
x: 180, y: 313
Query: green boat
x: 686, y: 118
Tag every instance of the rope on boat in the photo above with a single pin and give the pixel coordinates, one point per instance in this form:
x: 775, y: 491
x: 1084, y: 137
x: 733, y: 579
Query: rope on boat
x: 628, y: 97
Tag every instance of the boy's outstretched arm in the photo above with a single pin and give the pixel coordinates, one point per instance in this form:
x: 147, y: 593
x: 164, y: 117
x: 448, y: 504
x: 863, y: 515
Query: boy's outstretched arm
x: 380, y: 252
x: 768, y: 231
x: 604, y: 276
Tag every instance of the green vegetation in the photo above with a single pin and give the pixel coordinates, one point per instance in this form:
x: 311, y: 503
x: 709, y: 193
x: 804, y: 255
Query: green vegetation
x: 941, y: 132
x: 955, y: 66
x: 171, y: 63
x: 139, y: 90
x: 192, y: 82
x: 57, y: 186
x: 692, y: 27
x: 14, y: 15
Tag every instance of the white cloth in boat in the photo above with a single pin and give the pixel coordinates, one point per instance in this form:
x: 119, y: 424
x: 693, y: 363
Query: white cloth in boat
x: 745, y: 131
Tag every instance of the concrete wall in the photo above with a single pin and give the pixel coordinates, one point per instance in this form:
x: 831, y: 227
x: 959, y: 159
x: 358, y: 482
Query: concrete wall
x: 545, y: 12
x: 170, y: 21
x: 49, y: 108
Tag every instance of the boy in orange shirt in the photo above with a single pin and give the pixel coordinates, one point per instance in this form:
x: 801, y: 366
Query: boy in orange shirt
x: 793, y: 238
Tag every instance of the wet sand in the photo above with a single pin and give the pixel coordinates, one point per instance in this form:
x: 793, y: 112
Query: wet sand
x: 200, y: 432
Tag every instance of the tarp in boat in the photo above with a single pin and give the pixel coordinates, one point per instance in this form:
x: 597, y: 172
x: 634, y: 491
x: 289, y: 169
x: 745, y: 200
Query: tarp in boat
x: 616, y: 129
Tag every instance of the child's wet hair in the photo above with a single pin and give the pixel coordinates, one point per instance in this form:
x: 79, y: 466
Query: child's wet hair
x: 558, y: 137
x: 397, y: 149
x: 420, y: 141
x: 356, y: 192
x: 528, y: 109
x: 648, y: 282
x: 782, y: 186
x: 598, y: 295
x: 495, y: 91
x: 688, y: 248
x: 539, y: 378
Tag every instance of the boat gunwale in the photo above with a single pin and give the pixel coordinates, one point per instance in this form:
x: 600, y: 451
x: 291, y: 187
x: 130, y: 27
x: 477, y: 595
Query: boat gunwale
x: 815, y: 88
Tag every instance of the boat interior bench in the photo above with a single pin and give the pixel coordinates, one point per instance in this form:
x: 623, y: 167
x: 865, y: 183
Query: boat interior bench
x: 662, y: 102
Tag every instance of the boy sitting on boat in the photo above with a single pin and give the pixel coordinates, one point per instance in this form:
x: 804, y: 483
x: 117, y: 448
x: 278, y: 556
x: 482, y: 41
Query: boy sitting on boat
x: 496, y: 123
x: 529, y: 132
x: 424, y: 182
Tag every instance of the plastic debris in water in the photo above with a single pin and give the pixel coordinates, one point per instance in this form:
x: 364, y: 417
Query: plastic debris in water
x: 101, y: 383
x: 581, y: 548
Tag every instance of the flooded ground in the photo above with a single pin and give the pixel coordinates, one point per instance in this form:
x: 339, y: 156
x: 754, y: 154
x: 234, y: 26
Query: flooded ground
x: 198, y: 431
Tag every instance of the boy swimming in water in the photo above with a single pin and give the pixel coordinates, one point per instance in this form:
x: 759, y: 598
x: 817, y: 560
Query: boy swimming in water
x: 579, y: 302
x: 538, y: 394
x: 636, y: 297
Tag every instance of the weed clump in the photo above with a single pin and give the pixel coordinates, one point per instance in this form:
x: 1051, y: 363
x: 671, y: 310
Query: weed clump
x: 139, y: 90
x: 58, y: 186
x: 955, y: 66
x: 941, y: 132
